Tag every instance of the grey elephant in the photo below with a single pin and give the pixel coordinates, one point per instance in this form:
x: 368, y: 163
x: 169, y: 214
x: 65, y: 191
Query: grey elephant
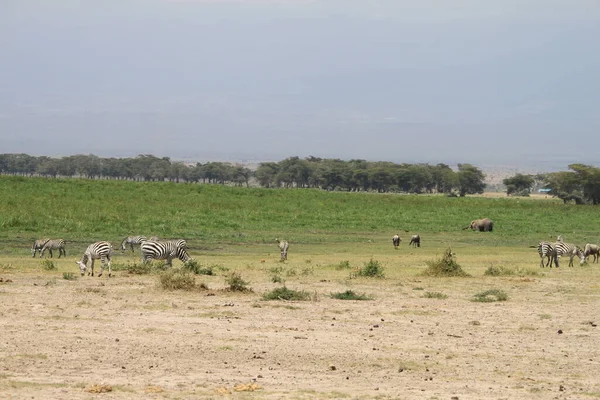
x: 481, y: 225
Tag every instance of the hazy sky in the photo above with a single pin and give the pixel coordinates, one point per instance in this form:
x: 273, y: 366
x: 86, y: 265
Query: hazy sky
x: 487, y: 82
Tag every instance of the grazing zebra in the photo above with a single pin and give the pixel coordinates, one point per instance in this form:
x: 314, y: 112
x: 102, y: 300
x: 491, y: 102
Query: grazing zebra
x: 415, y: 240
x: 546, y: 249
x: 38, y: 245
x: 132, y: 240
x: 167, y: 250
x: 396, y: 241
x: 98, y: 250
x: 54, y: 244
x: 569, y: 249
x: 592, y: 250
x: 283, y: 248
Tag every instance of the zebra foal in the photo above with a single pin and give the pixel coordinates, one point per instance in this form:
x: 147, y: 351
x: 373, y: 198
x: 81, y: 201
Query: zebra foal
x: 95, y: 251
x: 166, y: 250
x: 131, y: 241
x: 570, y: 250
x: 547, y: 250
x: 38, y: 245
x: 54, y: 244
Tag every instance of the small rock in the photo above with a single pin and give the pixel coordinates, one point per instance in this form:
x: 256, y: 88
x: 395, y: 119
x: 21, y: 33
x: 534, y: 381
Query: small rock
x: 561, y: 388
x: 332, y: 368
x: 560, y: 331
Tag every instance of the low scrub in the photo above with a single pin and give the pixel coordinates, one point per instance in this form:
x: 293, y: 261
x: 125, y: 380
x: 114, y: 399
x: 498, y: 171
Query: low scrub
x: 444, y: 267
x: 435, y: 295
x: 343, y: 265
x: 177, y: 279
x: 371, y: 269
x: 494, y: 270
x: 140, y: 268
x: 490, y: 296
x: 350, y: 295
x: 236, y: 283
x: 283, y: 293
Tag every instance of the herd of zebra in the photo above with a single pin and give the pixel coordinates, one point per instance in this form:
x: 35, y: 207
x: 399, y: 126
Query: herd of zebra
x: 553, y: 251
x: 152, y: 249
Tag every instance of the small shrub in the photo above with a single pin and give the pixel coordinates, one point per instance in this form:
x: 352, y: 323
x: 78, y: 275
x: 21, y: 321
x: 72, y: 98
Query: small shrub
x: 69, y: 276
x: 236, y: 283
x: 276, y: 270
x: 371, y: 269
x: 494, y: 270
x: 307, y: 271
x: 283, y: 293
x: 140, y: 269
x: 276, y: 279
x: 291, y: 272
x: 343, y: 265
x: 48, y: 265
x: 197, y: 268
x: 350, y: 295
x: 435, y: 295
x: 177, y: 279
x: 490, y: 296
x: 444, y: 267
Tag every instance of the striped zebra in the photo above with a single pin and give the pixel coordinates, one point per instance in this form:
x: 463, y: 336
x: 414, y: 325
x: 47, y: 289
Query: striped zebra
x: 131, y: 241
x: 283, y: 248
x: 54, y: 244
x: 570, y: 250
x: 415, y: 241
x: 38, y: 245
x: 99, y: 250
x: 165, y: 250
x: 546, y: 250
x: 592, y: 250
x: 396, y: 241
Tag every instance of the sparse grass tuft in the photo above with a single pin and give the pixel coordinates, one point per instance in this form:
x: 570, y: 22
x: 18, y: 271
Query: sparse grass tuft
x: 371, y: 269
x: 141, y: 268
x: 236, y: 283
x: 350, y: 295
x: 490, y: 296
x: 48, y: 265
x: 69, y: 276
x: 177, y: 279
x: 283, y: 293
x: 444, y: 267
x: 435, y: 295
x: 343, y: 265
x: 494, y: 270
x: 277, y: 279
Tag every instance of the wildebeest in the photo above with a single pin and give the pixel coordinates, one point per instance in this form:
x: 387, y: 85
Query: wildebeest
x: 415, y: 241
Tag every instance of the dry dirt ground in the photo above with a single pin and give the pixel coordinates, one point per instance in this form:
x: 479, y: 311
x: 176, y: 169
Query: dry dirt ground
x: 62, y: 339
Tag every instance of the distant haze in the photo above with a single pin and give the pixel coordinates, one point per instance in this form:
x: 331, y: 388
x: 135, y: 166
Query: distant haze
x: 512, y: 82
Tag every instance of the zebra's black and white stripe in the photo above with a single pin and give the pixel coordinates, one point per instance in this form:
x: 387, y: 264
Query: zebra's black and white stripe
x: 591, y: 250
x: 396, y: 241
x: 131, y: 241
x: 54, y: 244
x: 546, y: 250
x: 95, y: 251
x: 415, y: 241
x: 569, y: 250
x: 165, y: 250
x: 283, y: 248
x: 38, y: 245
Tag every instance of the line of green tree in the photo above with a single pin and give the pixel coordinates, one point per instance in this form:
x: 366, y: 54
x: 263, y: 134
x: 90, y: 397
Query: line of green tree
x: 580, y: 185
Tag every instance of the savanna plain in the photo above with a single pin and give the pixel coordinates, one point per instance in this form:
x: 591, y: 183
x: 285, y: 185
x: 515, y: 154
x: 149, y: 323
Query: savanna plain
x: 347, y: 316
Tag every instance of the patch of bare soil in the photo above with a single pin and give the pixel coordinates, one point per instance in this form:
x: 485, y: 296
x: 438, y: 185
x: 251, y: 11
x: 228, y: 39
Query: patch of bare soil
x: 123, y: 338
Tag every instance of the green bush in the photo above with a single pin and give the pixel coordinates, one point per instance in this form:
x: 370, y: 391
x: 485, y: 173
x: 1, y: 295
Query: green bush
x: 236, y: 283
x: 69, y: 276
x: 444, y: 267
x: 197, y: 268
x: 48, y: 265
x: 371, y: 269
x: 177, y: 279
x: 350, y: 295
x: 490, y: 296
x: 283, y: 293
x: 343, y: 265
